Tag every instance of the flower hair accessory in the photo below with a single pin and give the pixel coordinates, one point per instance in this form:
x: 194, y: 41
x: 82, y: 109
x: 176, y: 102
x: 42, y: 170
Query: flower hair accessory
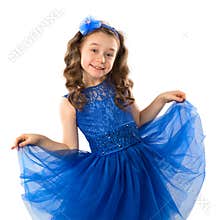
x: 89, y: 24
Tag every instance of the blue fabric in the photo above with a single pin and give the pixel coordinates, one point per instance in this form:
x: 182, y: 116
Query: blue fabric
x: 90, y: 24
x: 155, y: 171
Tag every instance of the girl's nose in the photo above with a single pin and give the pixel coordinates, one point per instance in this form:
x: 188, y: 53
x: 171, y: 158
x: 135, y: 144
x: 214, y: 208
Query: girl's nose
x: 101, y: 58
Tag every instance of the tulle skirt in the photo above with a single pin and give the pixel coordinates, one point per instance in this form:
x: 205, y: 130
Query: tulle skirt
x: 157, y: 178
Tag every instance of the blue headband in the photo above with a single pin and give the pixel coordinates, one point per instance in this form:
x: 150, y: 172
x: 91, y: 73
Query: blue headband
x: 89, y: 24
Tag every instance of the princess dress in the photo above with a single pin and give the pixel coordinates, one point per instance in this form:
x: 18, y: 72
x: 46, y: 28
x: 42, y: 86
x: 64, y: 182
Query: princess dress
x: 155, y: 171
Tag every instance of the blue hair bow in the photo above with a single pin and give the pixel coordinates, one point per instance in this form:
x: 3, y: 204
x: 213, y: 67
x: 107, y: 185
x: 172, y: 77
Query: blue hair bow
x: 89, y: 24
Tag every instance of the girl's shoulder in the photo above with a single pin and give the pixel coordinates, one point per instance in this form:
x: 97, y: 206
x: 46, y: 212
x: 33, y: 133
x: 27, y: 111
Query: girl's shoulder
x: 66, y: 106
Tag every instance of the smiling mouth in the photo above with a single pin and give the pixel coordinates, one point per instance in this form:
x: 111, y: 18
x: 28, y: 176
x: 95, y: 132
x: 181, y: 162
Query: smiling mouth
x: 97, y: 67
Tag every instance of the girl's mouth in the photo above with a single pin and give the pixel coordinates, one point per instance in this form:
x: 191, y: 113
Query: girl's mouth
x: 97, y: 67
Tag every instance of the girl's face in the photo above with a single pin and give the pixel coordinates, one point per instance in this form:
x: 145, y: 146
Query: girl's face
x: 98, y: 53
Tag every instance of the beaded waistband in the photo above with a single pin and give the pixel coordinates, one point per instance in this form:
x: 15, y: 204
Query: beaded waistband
x: 115, y: 140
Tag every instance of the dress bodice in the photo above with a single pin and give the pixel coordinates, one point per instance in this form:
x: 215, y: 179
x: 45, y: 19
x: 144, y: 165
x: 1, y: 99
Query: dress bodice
x: 101, y: 116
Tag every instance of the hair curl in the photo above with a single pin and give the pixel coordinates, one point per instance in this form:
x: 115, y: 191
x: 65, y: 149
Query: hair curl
x: 118, y: 75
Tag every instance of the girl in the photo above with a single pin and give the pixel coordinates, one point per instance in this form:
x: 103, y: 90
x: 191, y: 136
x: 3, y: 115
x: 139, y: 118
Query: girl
x: 140, y: 167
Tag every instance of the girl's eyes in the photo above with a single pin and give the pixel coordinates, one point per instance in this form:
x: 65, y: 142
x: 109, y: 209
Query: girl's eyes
x: 93, y: 50
x: 107, y: 54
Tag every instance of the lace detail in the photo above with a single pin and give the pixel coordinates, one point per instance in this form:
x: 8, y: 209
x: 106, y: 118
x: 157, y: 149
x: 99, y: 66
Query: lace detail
x: 99, y: 92
x: 100, y: 115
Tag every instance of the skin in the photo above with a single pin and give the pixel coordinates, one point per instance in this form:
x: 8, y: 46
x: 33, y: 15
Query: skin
x: 98, y: 53
x: 152, y: 110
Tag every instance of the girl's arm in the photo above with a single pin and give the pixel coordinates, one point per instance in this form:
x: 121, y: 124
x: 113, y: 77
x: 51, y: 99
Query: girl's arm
x: 40, y: 140
x: 70, y: 132
x: 68, y: 121
x: 151, y: 111
x: 51, y: 145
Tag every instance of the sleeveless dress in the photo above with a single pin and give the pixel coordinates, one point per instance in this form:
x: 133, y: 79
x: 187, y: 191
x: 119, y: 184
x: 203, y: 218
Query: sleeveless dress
x: 152, y: 172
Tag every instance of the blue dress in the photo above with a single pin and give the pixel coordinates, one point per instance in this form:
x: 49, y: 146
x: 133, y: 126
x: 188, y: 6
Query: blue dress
x: 152, y: 172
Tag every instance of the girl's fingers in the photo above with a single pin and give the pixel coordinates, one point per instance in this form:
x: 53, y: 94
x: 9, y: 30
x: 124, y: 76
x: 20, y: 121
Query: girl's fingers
x: 177, y: 92
x: 15, y: 146
x: 180, y: 96
x: 175, y: 95
x: 22, y: 144
x: 179, y: 99
x: 19, y: 139
x: 19, y: 142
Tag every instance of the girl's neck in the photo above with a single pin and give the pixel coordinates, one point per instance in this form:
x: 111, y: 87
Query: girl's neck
x: 93, y: 82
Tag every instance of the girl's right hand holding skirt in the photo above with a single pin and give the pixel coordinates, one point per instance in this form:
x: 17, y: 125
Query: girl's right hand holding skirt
x: 26, y: 139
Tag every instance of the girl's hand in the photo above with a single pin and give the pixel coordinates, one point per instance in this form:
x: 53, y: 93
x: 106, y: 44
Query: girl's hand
x: 26, y: 139
x: 176, y: 95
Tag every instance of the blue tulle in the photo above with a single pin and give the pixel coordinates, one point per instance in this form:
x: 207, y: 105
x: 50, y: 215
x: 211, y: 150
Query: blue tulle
x: 155, y: 171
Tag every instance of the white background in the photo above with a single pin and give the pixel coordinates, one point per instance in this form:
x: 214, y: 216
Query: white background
x: 172, y: 45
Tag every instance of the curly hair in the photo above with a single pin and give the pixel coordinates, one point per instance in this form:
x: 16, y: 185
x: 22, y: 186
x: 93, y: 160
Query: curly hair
x: 118, y: 75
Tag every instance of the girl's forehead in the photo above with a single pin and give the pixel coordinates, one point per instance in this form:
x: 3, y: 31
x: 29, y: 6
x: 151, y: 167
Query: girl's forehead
x: 101, y: 39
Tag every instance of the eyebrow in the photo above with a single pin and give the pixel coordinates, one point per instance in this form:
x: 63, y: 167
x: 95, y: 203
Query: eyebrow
x: 99, y: 44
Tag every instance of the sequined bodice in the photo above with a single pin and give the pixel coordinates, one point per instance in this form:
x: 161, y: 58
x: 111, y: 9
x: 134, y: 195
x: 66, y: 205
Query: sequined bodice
x: 102, y: 122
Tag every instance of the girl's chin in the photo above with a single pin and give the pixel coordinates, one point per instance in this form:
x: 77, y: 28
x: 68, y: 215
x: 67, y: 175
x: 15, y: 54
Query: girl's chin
x: 96, y: 75
x: 97, y: 72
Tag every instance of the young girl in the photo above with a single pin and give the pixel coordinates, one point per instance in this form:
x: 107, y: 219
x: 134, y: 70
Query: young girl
x: 140, y: 167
